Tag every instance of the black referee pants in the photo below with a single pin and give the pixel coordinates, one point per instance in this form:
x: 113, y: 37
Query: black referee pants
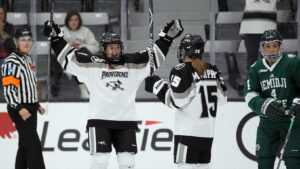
x: 29, y: 153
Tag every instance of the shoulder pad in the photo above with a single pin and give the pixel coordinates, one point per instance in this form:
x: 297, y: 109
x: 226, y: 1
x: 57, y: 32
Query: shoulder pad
x: 183, y: 71
x: 179, y: 66
x: 96, y: 59
x: 181, y: 78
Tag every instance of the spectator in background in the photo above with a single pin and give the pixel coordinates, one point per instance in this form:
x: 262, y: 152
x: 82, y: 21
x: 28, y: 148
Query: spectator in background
x: 82, y: 39
x: 259, y: 15
x: 79, y: 36
x: 6, y: 42
x: 6, y: 33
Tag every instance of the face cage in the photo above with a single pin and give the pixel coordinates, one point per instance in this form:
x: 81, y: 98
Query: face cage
x: 113, y: 59
x: 271, y: 58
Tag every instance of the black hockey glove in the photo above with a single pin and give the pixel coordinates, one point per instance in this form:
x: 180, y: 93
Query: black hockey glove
x: 295, y: 108
x: 219, y: 77
x: 53, y: 31
x: 172, y: 30
x: 273, y: 110
x: 150, y: 81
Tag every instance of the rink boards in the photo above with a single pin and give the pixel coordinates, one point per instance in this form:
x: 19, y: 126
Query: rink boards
x: 64, y: 137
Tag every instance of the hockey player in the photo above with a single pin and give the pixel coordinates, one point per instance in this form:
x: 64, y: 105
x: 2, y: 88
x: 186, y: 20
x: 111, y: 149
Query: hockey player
x: 113, y: 81
x: 272, y: 84
x: 196, y: 90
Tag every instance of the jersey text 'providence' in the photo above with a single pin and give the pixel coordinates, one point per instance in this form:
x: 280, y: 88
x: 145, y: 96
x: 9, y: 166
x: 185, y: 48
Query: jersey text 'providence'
x: 112, y: 91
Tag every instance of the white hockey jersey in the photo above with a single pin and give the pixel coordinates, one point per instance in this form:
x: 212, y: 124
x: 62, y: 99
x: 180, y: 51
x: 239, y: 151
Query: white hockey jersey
x: 196, y: 99
x: 112, y: 91
x: 259, y: 15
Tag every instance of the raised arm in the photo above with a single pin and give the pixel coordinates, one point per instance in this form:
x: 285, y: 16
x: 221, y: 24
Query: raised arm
x: 68, y: 57
x: 180, y: 91
x: 172, y: 30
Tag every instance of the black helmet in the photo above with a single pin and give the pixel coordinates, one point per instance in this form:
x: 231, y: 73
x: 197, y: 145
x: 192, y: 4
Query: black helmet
x: 268, y: 37
x: 191, y: 46
x: 22, y: 31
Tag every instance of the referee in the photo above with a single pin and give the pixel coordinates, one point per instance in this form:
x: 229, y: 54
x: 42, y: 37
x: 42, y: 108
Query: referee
x: 19, y: 83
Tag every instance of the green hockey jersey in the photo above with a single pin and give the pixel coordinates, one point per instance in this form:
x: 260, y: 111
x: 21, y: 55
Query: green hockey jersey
x: 280, y: 81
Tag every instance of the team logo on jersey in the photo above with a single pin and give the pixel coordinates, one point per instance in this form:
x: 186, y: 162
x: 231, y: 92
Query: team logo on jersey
x: 273, y: 82
x: 10, y: 69
x: 32, y: 67
x: 179, y: 66
x: 97, y: 59
x: 262, y: 70
x: 115, y: 85
x: 106, y: 74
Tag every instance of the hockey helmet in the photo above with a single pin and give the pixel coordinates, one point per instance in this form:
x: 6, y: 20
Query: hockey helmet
x: 268, y: 37
x: 191, y: 46
x: 110, y: 38
x: 23, y: 31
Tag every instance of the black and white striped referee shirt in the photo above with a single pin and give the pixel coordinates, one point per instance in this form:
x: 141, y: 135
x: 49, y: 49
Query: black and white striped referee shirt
x: 19, y: 81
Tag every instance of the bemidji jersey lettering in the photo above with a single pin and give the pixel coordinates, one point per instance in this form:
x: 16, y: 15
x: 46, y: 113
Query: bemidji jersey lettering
x: 279, y: 81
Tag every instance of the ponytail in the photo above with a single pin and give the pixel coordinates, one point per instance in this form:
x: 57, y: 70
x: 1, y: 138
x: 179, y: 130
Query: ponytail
x: 199, y: 66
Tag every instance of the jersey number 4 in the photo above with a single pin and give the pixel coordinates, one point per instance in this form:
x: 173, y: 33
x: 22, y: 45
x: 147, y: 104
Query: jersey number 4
x: 209, y: 99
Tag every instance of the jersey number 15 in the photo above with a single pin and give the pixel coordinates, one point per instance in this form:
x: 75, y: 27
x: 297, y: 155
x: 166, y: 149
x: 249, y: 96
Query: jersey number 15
x: 210, y: 98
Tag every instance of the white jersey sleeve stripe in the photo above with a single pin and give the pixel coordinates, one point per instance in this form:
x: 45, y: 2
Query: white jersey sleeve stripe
x: 62, y: 55
x: 182, y: 99
x: 250, y: 96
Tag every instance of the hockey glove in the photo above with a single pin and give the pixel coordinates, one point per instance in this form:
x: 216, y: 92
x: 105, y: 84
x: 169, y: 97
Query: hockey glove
x: 172, y: 30
x: 150, y: 81
x: 53, y: 31
x: 295, y: 108
x: 219, y: 77
x: 273, y: 110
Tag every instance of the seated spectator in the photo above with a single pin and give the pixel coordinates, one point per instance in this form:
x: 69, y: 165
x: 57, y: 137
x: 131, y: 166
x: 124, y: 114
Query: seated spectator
x: 81, y: 38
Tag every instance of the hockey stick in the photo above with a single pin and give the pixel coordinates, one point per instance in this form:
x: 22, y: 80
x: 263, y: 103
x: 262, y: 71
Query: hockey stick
x: 49, y: 59
x: 286, y: 141
x: 151, y: 37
